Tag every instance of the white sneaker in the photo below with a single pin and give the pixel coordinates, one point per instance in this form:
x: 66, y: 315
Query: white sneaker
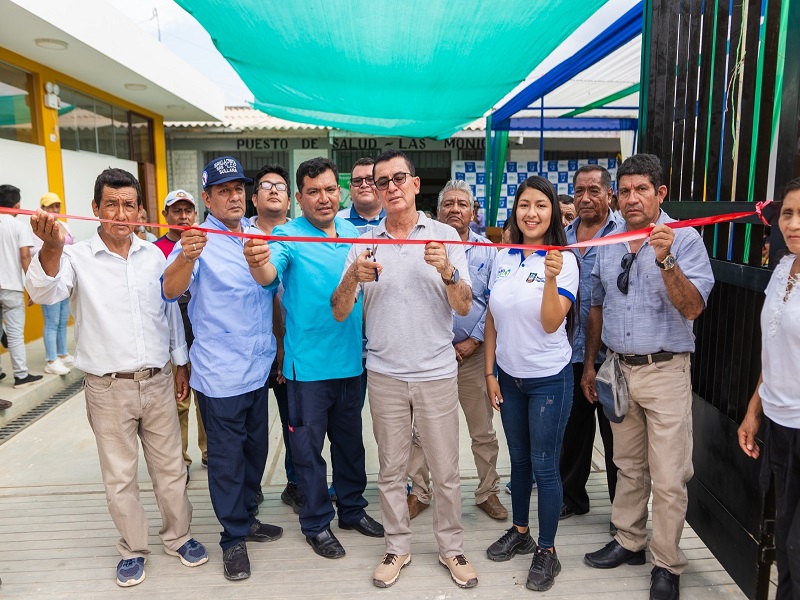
x: 56, y: 368
x: 68, y: 360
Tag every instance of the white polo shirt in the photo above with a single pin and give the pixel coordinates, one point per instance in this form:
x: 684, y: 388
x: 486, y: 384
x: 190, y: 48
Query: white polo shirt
x: 516, y: 285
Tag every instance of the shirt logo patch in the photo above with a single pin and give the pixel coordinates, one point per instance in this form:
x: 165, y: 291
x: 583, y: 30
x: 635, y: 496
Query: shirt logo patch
x: 503, y: 273
x: 534, y: 277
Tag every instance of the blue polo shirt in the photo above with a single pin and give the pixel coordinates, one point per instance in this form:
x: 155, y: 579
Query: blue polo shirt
x: 362, y: 225
x: 317, y: 347
x: 231, y: 318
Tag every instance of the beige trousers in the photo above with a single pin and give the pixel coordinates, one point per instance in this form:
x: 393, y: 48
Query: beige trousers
x: 183, y: 417
x: 478, y: 413
x: 435, y: 408
x: 653, y: 448
x: 121, y: 412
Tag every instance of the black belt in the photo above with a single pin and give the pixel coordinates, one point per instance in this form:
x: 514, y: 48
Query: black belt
x: 637, y: 360
x: 136, y: 375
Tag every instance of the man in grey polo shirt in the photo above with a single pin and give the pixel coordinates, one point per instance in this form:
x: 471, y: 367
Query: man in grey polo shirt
x: 409, y: 297
x: 456, y: 209
x: 645, y: 296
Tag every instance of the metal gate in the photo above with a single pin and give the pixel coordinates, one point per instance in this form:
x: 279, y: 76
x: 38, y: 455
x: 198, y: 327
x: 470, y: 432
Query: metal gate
x: 719, y: 106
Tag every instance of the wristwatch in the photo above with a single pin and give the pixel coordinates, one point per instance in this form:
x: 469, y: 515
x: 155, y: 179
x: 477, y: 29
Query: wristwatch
x: 453, y: 279
x: 667, y: 263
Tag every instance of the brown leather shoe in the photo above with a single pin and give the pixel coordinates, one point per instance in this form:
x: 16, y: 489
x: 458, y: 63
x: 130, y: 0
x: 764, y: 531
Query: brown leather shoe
x: 4, y: 404
x: 415, y: 505
x: 494, y: 508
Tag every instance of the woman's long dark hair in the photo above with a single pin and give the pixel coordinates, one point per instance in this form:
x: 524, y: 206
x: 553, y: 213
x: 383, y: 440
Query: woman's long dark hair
x: 554, y: 236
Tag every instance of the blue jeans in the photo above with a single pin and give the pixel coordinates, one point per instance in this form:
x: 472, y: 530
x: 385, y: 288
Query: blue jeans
x: 56, y: 317
x: 535, y: 413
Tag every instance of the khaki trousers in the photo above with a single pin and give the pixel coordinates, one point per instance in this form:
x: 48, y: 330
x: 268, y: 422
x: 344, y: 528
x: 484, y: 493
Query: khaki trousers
x: 119, y: 410
x: 435, y: 408
x: 478, y: 413
x: 183, y: 417
x: 653, y: 447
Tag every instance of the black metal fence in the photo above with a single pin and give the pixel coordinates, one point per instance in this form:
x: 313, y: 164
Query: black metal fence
x: 720, y: 106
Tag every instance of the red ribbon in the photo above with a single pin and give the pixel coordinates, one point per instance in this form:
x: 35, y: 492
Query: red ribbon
x: 625, y: 236
x: 760, y: 206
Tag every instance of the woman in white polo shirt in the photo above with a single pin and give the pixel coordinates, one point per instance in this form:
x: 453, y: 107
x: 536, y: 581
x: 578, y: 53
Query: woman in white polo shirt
x: 778, y: 397
x: 531, y: 309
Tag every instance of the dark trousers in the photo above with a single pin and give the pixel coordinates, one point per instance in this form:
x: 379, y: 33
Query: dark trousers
x: 282, y: 398
x: 782, y: 458
x: 331, y: 407
x: 237, y: 429
x: 576, y: 452
x: 363, y: 382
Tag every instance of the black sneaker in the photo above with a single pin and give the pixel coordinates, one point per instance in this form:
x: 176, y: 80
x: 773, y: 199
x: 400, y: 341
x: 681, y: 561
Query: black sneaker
x: 264, y: 532
x: 544, y: 568
x: 236, y: 563
x: 291, y: 496
x: 27, y: 380
x: 258, y: 499
x: 510, y: 544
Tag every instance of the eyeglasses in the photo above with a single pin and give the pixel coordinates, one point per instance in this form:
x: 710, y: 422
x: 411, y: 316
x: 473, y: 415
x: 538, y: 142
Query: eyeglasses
x: 624, y: 279
x: 357, y: 182
x: 398, y: 178
x: 268, y: 185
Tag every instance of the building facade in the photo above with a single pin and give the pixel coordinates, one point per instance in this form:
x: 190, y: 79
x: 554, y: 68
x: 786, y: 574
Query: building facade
x: 255, y: 139
x: 76, y: 99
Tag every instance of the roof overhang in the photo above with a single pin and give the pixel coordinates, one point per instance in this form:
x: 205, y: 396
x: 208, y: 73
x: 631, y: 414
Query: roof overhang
x: 108, y: 51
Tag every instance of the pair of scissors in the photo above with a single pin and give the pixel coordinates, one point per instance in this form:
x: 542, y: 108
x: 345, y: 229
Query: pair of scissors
x: 373, y: 251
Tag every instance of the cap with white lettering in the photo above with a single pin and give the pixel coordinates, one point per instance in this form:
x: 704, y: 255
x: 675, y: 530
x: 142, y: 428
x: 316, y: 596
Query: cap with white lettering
x: 223, y: 170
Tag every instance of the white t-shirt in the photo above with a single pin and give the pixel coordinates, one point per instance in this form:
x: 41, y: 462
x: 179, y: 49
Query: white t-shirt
x: 780, y: 349
x: 516, y: 284
x: 14, y: 234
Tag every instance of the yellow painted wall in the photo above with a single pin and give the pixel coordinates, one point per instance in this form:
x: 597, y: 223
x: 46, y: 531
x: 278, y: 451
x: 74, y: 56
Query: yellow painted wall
x: 46, y: 121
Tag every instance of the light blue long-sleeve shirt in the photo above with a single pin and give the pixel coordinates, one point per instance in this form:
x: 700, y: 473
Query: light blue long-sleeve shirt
x: 231, y: 318
x: 480, y: 260
x: 613, y: 224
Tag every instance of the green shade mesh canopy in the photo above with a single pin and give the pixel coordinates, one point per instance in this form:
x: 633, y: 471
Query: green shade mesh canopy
x: 418, y: 68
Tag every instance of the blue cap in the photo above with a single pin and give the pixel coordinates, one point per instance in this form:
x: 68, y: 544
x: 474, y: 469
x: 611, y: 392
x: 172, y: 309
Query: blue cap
x: 223, y: 170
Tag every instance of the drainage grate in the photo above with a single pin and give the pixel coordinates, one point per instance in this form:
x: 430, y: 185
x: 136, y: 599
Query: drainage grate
x: 12, y: 428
